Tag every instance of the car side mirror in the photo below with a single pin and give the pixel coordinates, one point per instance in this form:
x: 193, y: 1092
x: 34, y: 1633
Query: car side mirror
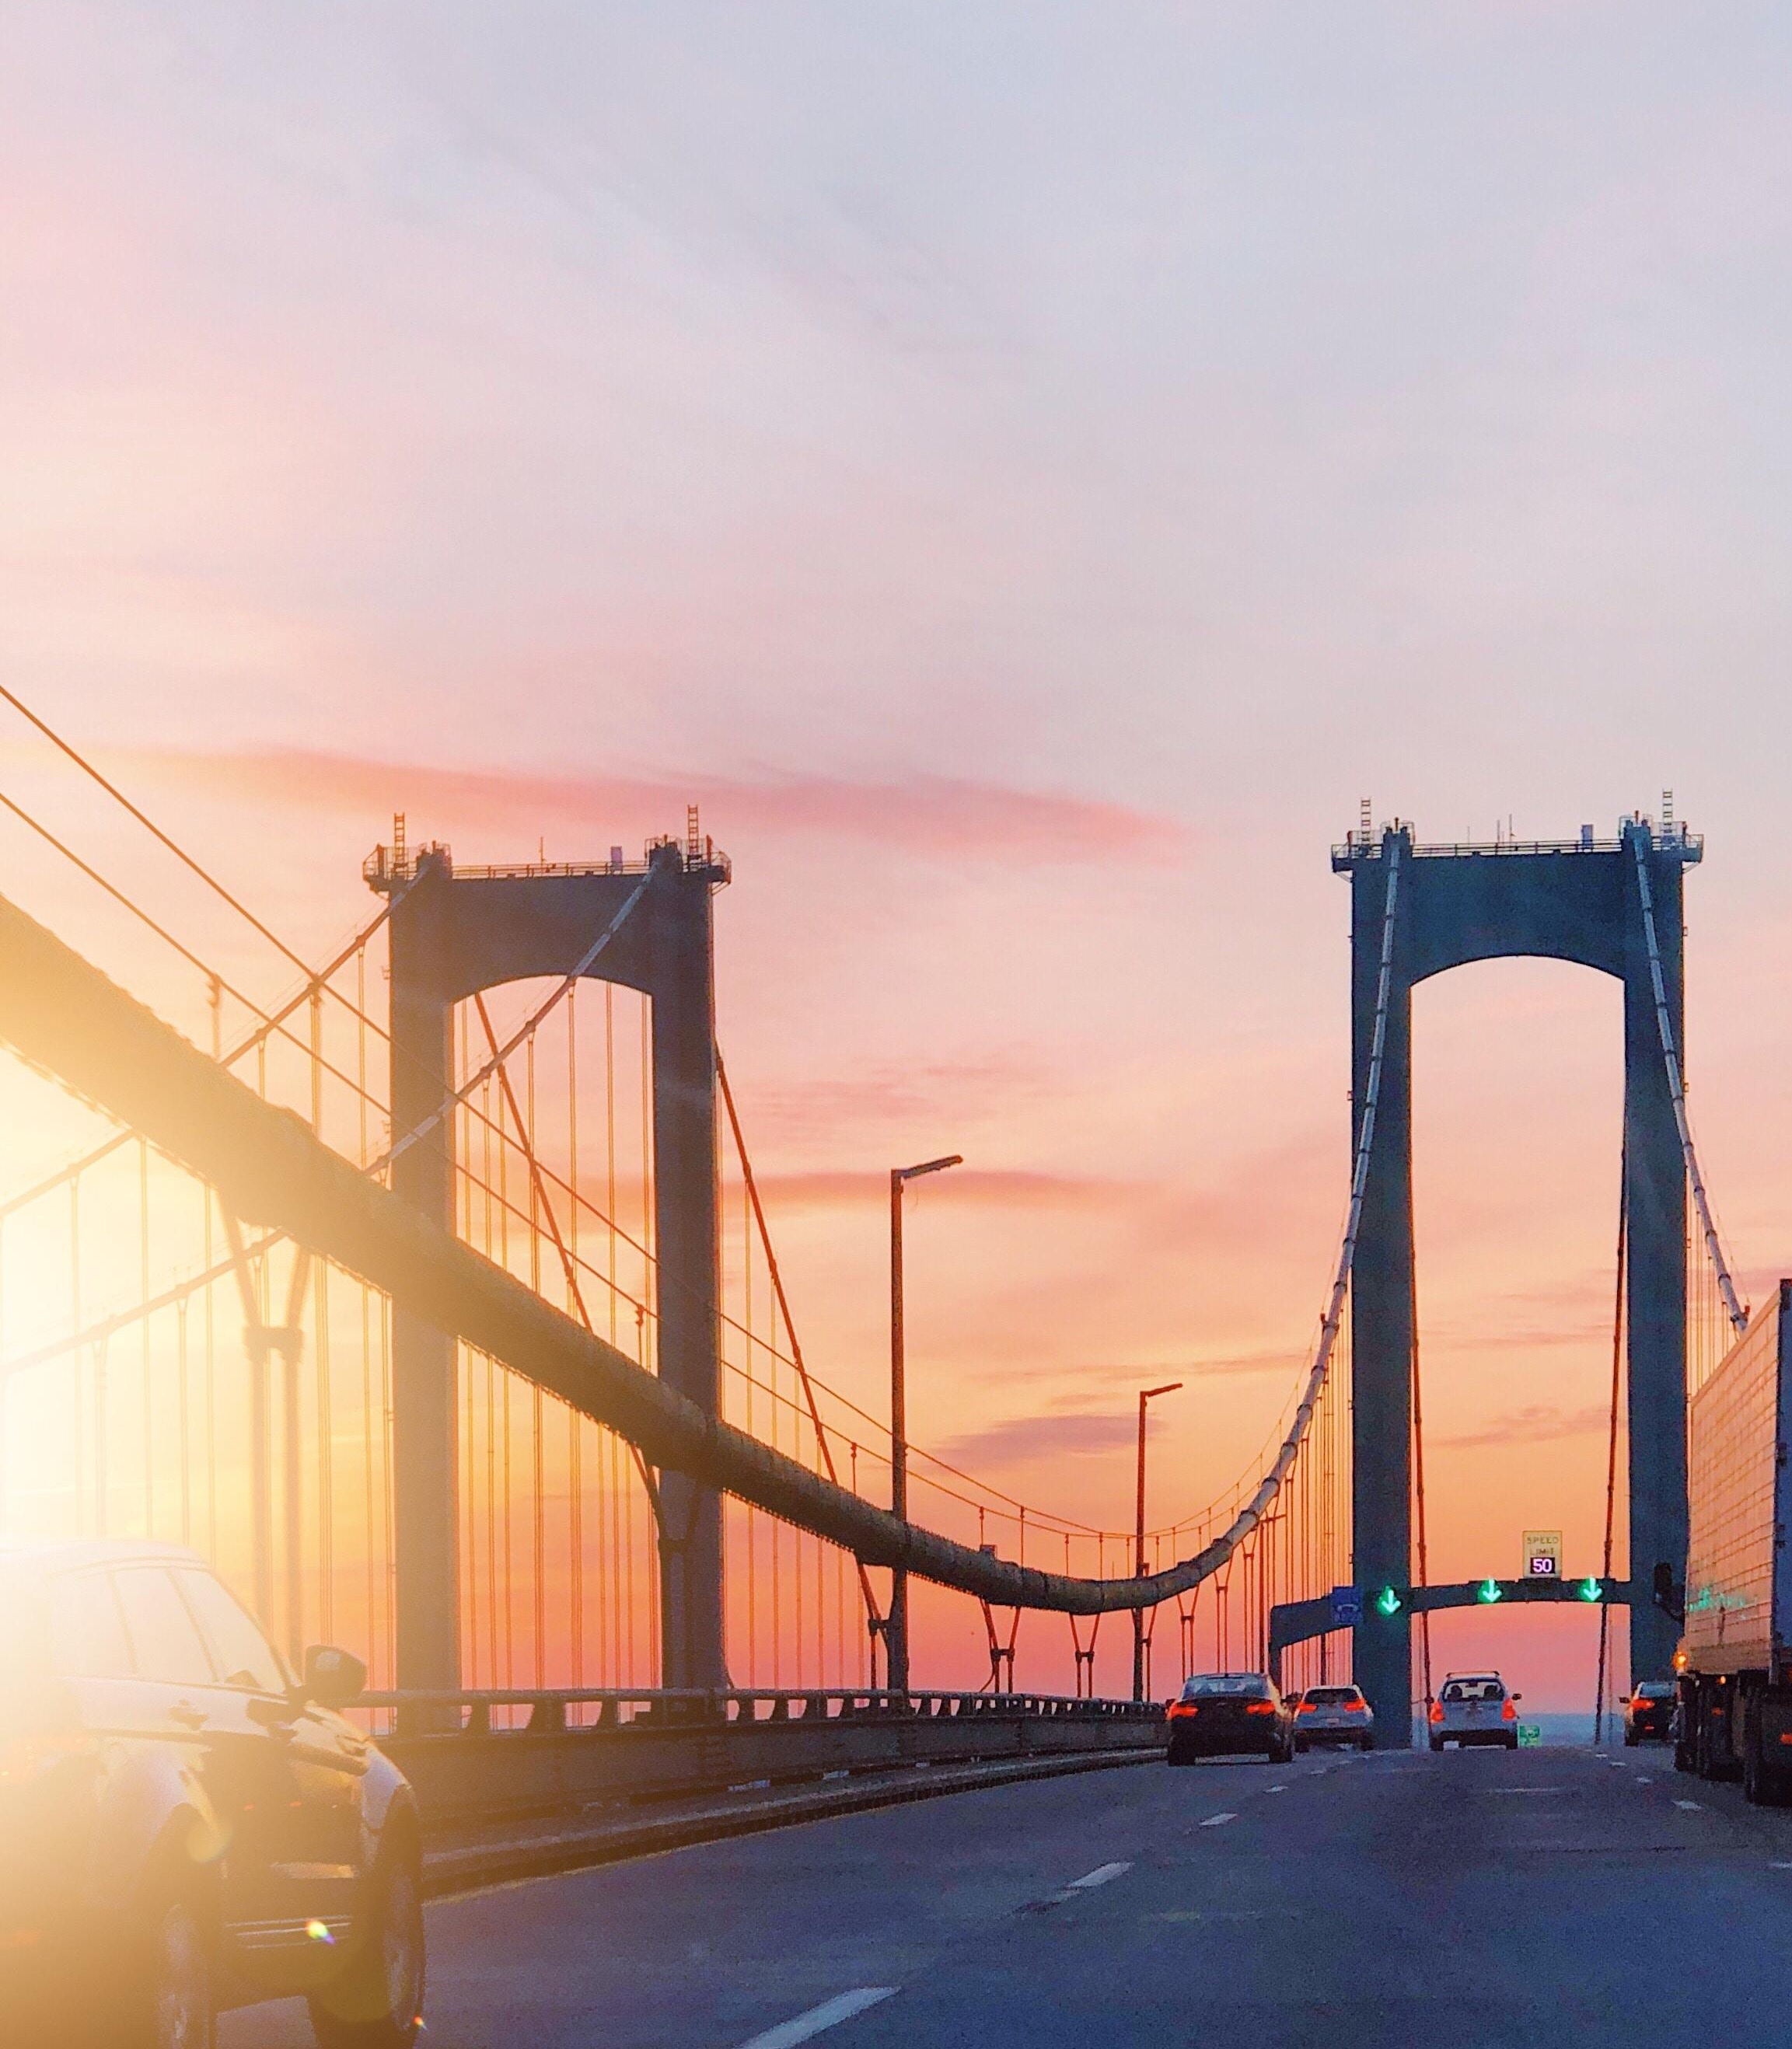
x: 333, y: 1678
x: 1518, y: 1697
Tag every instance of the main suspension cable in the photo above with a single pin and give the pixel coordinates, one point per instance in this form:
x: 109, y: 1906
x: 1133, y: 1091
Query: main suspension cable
x: 1641, y: 839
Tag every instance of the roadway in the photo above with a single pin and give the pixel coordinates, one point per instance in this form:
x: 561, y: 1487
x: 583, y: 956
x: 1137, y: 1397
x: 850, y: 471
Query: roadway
x: 1483, y: 1899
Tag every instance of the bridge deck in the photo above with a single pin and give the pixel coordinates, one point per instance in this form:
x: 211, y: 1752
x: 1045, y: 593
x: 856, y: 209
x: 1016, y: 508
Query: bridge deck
x: 1386, y: 1901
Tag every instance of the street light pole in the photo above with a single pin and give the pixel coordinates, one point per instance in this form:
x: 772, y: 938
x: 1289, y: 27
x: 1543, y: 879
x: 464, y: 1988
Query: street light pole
x: 895, y: 1625
x: 1146, y: 1395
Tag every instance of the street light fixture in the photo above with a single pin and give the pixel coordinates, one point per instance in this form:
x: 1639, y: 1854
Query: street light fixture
x: 896, y: 1626
x: 1146, y: 1394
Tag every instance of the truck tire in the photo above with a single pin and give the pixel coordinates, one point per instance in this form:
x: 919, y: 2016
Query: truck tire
x: 1763, y: 1784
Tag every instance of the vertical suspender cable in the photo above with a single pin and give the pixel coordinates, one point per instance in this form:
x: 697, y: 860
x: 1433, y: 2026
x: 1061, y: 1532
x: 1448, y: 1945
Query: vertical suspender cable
x: 1418, y: 1479
x: 1611, y: 1440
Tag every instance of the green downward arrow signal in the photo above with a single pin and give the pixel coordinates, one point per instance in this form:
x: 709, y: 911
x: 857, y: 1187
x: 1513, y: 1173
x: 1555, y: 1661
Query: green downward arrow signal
x: 1387, y: 1601
x: 1490, y: 1590
x: 1589, y: 1590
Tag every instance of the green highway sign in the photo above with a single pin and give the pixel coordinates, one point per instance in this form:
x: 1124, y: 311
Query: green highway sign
x: 1530, y: 1735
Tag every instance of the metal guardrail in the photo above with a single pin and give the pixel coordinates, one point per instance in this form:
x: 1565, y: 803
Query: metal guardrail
x: 570, y: 1750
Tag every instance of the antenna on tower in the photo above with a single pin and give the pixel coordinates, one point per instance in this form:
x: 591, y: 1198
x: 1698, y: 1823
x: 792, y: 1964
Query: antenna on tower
x: 1365, y: 816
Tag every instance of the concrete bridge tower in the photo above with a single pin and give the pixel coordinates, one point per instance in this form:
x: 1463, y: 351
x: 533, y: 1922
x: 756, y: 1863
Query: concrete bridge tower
x: 1577, y: 900
x: 453, y: 933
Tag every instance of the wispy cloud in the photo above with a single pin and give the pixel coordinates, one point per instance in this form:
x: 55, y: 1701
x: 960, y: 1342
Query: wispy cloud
x: 1539, y: 1424
x: 941, y: 815
x: 1019, y: 1440
x: 983, y: 1188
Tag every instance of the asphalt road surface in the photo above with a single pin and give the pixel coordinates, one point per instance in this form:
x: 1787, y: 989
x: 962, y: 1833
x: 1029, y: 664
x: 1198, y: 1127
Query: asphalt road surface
x: 1477, y: 1900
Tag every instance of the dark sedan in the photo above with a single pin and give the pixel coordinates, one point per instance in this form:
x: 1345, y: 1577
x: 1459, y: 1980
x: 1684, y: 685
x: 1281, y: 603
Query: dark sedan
x: 183, y: 1827
x: 1649, y: 1712
x: 1220, y: 1714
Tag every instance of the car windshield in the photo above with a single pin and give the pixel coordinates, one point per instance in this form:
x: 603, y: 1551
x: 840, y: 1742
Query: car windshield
x: 1332, y: 1696
x: 1655, y: 1690
x: 1458, y: 1690
x: 1226, y: 1685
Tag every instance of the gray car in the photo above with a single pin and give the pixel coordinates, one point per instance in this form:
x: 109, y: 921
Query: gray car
x: 1475, y: 1708
x: 184, y: 1824
x: 1336, y: 1715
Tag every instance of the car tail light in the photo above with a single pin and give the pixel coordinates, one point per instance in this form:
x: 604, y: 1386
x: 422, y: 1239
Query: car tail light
x: 1183, y: 1707
x: 1509, y: 1712
x: 1309, y: 1707
x: 1437, y: 1711
x: 1260, y: 1707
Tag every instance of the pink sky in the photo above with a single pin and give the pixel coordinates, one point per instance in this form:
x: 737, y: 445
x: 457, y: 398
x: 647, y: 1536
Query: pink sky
x: 1028, y: 476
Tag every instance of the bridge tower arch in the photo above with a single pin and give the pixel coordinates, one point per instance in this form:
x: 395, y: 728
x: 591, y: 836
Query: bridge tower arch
x: 1577, y: 900
x: 453, y: 934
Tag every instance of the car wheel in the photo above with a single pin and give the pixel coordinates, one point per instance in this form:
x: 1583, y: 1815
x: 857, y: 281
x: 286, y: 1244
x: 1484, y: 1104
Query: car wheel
x: 1366, y: 1743
x: 173, y: 2003
x: 377, y: 2002
x: 1437, y: 1743
x: 1301, y: 1745
x: 1631, y: 1738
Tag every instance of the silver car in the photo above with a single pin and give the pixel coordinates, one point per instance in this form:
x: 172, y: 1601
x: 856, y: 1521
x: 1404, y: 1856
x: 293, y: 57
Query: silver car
x: 1475, y: 1707
x: 1337, y: 1715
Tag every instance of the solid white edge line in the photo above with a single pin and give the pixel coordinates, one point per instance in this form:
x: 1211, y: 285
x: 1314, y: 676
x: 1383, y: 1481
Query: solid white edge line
x: 829, y: 2014
x: 1099, y: 1875
x: 1214, y: 1820
x: 1688, y: 1806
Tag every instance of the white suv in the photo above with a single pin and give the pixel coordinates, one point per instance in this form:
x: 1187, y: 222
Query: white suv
x: 1475, y: 1707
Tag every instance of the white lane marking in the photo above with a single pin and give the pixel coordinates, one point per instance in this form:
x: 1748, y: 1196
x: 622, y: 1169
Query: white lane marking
x: 1690, y: 1806
x: 1780, y: 1867
x: 1509, y: 1790
x: 1645, y: 1782
x: 1278, y: 1789
x: 1064, y: 1895
x: 829, y: 2014
x: 1214, y: 1820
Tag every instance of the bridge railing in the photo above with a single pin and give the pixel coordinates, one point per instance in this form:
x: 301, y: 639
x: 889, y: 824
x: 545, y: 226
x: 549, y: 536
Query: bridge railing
x: 485, y: 1756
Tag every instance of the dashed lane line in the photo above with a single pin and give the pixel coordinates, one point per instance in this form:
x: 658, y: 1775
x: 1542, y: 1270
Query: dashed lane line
x: 806, y: 2027
x: 1090, y: 1880
x: 1216, y: 1821
x: 1690, y: 1806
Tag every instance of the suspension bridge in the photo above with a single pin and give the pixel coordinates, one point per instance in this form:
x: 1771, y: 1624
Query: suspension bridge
x: 428, y: 1288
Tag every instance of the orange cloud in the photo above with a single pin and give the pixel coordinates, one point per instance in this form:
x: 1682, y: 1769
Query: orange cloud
x: 982, y: 1188
x: 933, y: 815
x: 1537, y: 1424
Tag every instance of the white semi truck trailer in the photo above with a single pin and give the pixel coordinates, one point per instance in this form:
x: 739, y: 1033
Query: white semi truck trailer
x: 1734, y: 1665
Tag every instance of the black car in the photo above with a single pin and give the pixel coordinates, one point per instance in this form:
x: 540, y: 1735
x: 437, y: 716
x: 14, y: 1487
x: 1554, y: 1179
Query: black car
x: 1219, y: 1714
x: 1649, y: 1712
x: 183, y: 1827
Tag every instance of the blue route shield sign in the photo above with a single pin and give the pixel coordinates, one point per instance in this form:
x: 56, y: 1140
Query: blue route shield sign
x: 1346, y: 1607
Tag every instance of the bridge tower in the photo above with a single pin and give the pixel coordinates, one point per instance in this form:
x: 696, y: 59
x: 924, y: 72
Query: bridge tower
x: 455, y: 932
x: 1577, y: 900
